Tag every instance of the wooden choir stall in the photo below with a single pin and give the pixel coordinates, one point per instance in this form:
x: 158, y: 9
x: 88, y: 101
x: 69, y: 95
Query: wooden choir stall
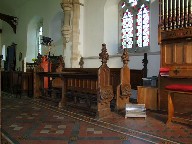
x: 79, y: 86
x: 175, y: 80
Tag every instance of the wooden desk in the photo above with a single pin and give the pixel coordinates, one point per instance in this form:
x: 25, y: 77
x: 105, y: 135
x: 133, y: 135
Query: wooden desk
x: 148, y: 96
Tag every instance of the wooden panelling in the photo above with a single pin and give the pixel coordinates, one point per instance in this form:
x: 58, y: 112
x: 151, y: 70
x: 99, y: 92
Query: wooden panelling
x: 188, y: 53
x: 177, y: 53
x: 148, y: 96
x: 10, y: 79
x: 167, y: 54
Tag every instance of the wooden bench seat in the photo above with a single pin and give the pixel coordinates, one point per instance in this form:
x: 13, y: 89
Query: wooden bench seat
x: 173, y: 89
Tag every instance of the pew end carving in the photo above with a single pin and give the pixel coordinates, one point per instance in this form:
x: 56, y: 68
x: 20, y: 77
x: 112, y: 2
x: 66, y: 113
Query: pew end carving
x: 124, y: 88
x: 105, y: 90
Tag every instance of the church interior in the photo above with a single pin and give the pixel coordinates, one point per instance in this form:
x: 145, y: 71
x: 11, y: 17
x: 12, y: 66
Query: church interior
x: 96, y: 71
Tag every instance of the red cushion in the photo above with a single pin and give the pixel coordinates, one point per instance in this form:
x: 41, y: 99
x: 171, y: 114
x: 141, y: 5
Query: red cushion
x: 164, y: 69
x: 179, y: 87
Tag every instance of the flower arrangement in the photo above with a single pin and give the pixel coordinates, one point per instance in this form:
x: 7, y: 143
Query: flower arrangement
x: 34, y: 59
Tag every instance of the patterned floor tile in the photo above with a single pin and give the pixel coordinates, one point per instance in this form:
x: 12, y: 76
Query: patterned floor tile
x: 26, y: 121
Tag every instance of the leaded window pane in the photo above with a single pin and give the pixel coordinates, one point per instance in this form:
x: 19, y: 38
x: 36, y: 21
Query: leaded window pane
x: 133, y: 2
x: 135, y: 24
x: 127, y: 30
x: 123, y: 5
x: 142, y: 27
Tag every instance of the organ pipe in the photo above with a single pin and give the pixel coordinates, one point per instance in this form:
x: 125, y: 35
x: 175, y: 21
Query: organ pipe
x: 175, y: 14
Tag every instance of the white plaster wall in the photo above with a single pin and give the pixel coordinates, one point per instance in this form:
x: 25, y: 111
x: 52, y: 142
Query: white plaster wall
x: 110, y: 26
x: 94, y: 27
x: 106, y: 28
x: 154, y: 21
x: 55, y: 33
x: 32, y: 51
x: 48, y: 10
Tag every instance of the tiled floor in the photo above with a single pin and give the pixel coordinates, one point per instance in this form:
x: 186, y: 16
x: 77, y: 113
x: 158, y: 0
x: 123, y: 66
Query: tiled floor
x: 30, y: 121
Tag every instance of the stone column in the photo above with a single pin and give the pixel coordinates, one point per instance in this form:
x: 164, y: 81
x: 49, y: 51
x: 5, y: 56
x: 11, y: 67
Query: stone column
x: 67, y: 26
x: 70, y: 30
x: 75, y: 53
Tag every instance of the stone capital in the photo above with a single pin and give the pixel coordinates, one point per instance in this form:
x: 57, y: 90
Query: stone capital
x: 67, y: 5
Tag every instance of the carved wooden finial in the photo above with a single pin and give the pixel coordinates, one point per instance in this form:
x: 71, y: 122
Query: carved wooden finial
x: 39, y: 59
x: 59, y: 63
x: 62, y: 62
x: 104, y: 55
x: 125, y: 56
x: 81, y: 62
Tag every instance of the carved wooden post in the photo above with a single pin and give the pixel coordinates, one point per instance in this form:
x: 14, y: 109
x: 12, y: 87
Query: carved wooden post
x: 81, y: 62
x: 105, y: 90
x: 1, y: 57
x: 124, y: 89
x: 37, y: 80
x: 61, y: 64
x: 62, y: 103
x: 145, y: 62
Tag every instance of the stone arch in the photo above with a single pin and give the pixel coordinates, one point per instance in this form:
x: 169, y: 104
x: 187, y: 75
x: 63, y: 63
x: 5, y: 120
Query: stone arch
x: 32, y: 43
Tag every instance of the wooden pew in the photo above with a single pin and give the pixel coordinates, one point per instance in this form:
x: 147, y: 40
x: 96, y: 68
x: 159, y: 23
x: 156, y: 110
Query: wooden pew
x: 80, y: 85
x: 92, y: 88
x: 136, y: 78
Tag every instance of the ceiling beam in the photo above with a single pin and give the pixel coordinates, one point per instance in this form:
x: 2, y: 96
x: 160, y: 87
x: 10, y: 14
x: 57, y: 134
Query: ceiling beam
x: 11, y: 20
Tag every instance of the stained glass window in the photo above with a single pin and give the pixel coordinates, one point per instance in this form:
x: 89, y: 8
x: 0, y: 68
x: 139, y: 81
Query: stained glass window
x: 39, y: 39
x: 142, y: 26
x: 127, y: 30
x: 134, y: 24
x: 133, y: 2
